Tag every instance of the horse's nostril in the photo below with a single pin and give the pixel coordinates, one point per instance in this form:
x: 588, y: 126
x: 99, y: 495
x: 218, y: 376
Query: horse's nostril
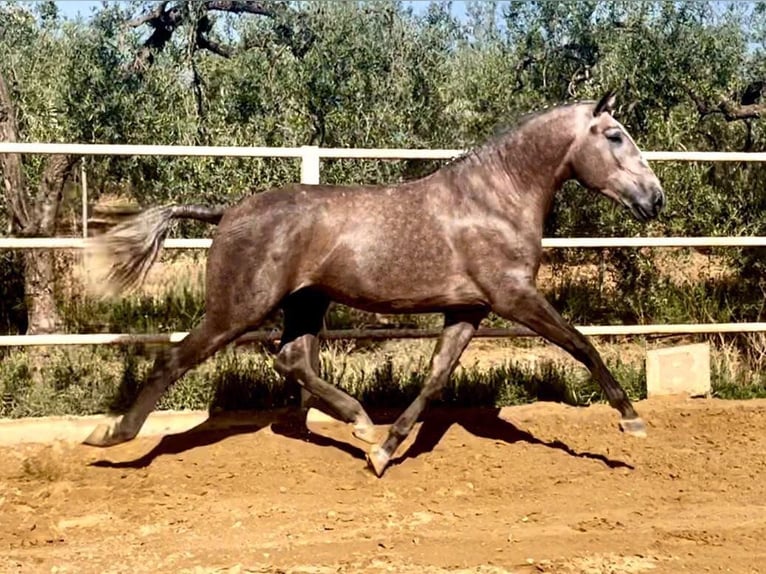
x: 659, y: 198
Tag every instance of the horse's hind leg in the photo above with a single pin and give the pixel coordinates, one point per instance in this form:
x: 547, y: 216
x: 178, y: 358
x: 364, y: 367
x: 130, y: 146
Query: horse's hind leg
x: 298, y: 359
x: 202, y: 342
x: 458, y: 332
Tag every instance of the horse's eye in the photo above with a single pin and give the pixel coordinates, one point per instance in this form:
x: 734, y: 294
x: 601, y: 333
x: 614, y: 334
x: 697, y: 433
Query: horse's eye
x: 615, y: 137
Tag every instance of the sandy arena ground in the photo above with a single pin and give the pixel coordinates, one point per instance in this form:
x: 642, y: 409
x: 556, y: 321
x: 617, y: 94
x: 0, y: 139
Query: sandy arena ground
x: 540, y: 488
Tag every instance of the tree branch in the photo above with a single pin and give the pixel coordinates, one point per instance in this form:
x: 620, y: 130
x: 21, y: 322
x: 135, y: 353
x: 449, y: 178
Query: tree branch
x: 166, y: 20
x: 733, y: 112
x: 240, y: 7
x: 730, y: 111
x: 701, y: 106
x: 149, y: 16
x: 204, y: 43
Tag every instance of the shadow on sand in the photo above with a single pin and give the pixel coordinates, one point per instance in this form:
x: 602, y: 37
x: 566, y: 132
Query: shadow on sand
x: 483, y: 423
x: 486, y: 423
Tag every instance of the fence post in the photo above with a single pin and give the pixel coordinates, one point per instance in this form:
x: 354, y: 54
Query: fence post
x: 310, y: 164
x: 84, y: 190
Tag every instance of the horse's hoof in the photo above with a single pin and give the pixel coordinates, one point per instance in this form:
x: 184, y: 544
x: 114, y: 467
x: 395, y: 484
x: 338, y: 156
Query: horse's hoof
x: 377, y: 460
x: 104, y: 435
x: 365, y: 432
x: 100, y: 436
x: 634, y: 427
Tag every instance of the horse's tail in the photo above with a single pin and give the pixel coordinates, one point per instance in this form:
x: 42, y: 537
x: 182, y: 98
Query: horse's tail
x: 119, y: 259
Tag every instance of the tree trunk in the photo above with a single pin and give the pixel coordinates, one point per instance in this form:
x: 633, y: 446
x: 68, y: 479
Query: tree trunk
x: 33, y: 216
x: 39, y: 277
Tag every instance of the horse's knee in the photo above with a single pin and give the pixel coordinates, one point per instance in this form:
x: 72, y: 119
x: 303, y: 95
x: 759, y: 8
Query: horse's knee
x: 283, y: 365
x: 290, y: 361
x: 514, y: 303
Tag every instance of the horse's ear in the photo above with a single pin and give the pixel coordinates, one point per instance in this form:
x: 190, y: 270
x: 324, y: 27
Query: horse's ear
x: 605, y: 104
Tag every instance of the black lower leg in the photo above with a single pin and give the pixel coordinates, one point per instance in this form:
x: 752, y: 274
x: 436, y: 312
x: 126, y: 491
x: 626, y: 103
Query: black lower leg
x: 298, y: 360
x: 294, y: 361
x: 307, y: 399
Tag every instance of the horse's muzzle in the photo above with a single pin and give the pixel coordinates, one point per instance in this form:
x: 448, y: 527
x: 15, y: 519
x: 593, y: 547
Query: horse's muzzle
x: 648, y: 204
x: 658, y: 199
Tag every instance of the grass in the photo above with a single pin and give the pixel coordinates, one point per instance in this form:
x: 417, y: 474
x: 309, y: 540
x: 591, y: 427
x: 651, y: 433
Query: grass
x: 82, y: 381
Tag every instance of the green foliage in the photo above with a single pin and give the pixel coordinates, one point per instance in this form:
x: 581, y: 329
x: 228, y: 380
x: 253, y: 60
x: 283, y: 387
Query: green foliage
x: 175, y: 310
x: 97, y: 380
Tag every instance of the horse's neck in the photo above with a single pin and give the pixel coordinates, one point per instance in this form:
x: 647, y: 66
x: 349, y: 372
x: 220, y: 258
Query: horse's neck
x: 485, y: 189
x: 518, y: 176
x: 537, y: 165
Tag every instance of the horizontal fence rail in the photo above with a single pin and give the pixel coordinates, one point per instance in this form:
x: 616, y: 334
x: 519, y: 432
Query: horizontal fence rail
x: 321, y: 152
x: 311, y: 157
x: 553, y: 242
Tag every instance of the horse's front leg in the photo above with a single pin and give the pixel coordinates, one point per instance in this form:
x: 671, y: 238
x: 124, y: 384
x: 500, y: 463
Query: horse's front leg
x: 524, y: 304
x: 458, y: 331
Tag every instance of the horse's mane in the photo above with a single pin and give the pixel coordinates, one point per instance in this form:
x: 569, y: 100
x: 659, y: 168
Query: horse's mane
x: 502, y: 134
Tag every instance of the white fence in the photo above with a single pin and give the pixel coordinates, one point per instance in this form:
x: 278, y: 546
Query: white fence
x: 310, y: 157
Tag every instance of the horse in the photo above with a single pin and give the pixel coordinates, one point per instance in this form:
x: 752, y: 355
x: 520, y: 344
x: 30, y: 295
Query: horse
x: 462, y: 241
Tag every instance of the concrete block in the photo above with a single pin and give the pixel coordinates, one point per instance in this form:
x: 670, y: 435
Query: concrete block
x: 679, y: 370
x: 316, y: 416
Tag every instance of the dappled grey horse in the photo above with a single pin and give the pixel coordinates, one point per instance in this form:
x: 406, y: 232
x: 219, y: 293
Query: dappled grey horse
x: 462, y: 241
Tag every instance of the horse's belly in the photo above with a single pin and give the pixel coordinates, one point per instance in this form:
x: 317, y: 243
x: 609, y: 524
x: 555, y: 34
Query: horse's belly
x: 408, y: 297
x: 390, y: 264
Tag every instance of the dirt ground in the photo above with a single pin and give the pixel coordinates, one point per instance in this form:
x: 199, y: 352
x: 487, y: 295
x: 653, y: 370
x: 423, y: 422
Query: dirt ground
x: 539, y: 488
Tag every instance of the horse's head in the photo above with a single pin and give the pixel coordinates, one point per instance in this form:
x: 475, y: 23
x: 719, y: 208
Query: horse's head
x: 605, y: 158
